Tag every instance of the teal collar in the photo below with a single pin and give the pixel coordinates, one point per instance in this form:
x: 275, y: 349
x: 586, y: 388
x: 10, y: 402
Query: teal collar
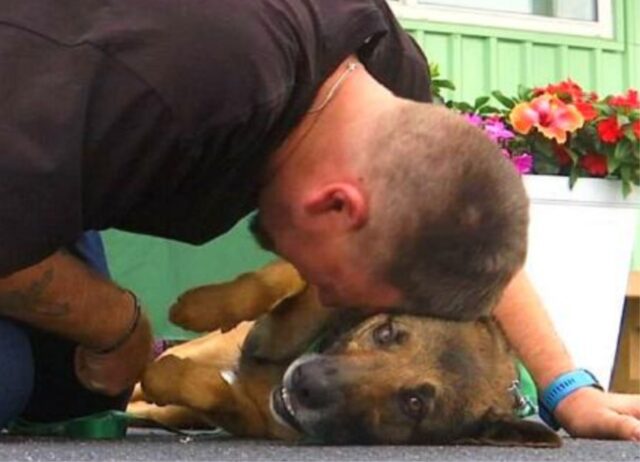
x: 524, y: 393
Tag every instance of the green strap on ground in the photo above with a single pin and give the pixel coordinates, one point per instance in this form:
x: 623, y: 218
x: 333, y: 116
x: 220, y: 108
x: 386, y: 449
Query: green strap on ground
x: 103, y: 425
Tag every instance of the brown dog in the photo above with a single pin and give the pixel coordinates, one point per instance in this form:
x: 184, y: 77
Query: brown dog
x: 388, y: 378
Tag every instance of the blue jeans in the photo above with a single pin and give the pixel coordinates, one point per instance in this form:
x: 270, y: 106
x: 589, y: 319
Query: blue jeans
x: 37, y: 380
x: 16, y: 366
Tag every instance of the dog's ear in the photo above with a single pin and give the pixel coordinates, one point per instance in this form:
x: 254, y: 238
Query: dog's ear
x: 510, y: 431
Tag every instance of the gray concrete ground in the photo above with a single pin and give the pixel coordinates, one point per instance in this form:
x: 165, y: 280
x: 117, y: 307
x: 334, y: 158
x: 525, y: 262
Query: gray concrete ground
x: 143, y: 445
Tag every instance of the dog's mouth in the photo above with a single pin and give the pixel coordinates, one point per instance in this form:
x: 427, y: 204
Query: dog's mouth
x: 282, y: 408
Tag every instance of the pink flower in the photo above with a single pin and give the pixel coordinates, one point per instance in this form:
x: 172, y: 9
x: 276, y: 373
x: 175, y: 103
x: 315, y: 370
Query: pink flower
x: 549, y: 114
x: 474, y: 119
x: 497, y: 131
x: 523, y: 163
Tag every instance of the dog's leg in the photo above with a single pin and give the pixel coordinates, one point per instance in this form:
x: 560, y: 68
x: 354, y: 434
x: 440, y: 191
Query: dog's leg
x: 137, y: 395
x: 200, y: 387
x: 222, y: 306
x: 217, y: 349
x: 303, y: 319
x: 172, y: 416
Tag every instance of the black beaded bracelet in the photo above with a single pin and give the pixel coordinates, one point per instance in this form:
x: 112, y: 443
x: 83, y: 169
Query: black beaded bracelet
x: 135, y: 320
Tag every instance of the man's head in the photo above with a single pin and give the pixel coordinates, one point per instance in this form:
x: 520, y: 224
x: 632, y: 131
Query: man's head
x: 383, y: 202
x: 448, y: 214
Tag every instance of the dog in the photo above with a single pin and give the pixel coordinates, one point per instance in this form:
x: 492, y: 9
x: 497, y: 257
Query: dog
x: 386, y: 378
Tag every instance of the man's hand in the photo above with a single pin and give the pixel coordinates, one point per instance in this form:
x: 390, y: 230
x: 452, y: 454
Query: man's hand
x: 63, y: 296
x: 113, y: 372
x: 592, y: 413
x: 588, y: 412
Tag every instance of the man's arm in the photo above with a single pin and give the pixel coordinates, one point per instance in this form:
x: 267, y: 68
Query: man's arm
x: 62, y: 295
x: 587, y: 412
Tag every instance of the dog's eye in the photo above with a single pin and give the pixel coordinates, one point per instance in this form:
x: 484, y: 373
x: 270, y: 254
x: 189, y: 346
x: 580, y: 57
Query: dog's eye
x: 412, y: 405
x: 384, y: 334
x: 417, y: 402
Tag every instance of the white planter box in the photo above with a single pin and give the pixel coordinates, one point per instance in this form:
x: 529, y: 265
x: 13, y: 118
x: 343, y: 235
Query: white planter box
x: 580, y: 248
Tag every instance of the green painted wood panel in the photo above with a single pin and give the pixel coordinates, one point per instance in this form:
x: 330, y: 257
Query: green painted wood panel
x: 549, y: 71
x: 478, y: 59
x: 159, y: 270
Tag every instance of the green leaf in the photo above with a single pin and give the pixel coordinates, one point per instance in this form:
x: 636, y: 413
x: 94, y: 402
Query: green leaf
x: 545, y: 167
x: 625, y: 173
x: 443, y: 83
x: 603, y: 108
x: 612, y: 164
x: 524, y: 93
x: 623, y: 120
x: 480, y: 101
x: 573, y: 177
x: 628, y: 133
x: 463, y: 107
x: 542, y: 146
x: 572, y: 154
x: 626, y: 188
x: 504, y: 100
x: 621, y: 150
x: 434, y: 70
x: 489, y: 110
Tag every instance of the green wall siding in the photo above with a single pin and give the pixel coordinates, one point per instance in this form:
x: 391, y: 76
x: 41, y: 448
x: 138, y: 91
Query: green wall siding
x: 159, y: 270
x: 481, y: 59
x: 477, y: 59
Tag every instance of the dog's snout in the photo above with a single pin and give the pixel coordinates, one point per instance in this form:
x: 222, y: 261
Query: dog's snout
x: 312, y: 383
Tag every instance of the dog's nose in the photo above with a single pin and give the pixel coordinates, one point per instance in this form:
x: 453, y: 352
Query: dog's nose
x: 313, y: 383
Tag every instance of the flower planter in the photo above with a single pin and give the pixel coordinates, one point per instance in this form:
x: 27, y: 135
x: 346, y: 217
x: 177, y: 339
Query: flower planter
x: 580, y: 248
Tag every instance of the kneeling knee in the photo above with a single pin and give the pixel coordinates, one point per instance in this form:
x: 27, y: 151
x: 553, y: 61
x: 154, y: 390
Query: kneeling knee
x: 16, y: 364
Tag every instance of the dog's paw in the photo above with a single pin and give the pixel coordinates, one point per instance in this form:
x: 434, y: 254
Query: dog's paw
x: 219, y: 306
x: 161, y: 379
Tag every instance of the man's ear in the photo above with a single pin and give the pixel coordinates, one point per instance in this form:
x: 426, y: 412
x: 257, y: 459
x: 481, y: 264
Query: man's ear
x: 344, y: 202
x: 509, y: 431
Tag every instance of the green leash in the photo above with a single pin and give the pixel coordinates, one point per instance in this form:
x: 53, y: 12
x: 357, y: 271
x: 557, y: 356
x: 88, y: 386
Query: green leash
x: 107, y: 425
x: 103, y: 425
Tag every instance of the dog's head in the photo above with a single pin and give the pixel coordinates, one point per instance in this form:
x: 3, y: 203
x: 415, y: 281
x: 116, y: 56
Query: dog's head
x: 398, y: 379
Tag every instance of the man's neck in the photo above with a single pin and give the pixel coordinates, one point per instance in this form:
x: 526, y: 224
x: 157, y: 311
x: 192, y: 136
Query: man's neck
x: 339, y: 116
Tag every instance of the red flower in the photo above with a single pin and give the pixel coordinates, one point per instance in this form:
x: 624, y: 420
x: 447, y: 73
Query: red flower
x: 568, y: 90
x: 586, y: 109
x: 594, y: 164
x: 561, y: 155
x: 628, y: 101
x: 636, y: 128
x: 609, y: 130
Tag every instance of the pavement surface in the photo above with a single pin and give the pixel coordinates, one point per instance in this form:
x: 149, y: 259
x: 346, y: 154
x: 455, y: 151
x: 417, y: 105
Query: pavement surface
x: 143, y: 445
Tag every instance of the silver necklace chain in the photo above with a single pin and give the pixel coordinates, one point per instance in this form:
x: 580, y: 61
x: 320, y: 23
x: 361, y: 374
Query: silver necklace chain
x: 334, y: 88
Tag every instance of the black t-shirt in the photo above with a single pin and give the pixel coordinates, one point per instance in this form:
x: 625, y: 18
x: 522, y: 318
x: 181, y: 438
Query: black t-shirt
x: 156, y: 116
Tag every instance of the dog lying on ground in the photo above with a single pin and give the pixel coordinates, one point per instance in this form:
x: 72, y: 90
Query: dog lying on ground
x: 382, y: 379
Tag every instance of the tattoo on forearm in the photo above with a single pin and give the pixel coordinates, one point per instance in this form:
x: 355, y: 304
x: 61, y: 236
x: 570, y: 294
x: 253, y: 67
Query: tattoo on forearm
x: 31, y: 300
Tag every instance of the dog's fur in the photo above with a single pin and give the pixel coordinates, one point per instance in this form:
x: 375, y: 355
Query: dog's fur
x: 388, y: 378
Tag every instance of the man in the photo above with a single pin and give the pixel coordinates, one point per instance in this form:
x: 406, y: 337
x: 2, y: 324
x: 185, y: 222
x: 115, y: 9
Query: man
x: 177, y: 118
